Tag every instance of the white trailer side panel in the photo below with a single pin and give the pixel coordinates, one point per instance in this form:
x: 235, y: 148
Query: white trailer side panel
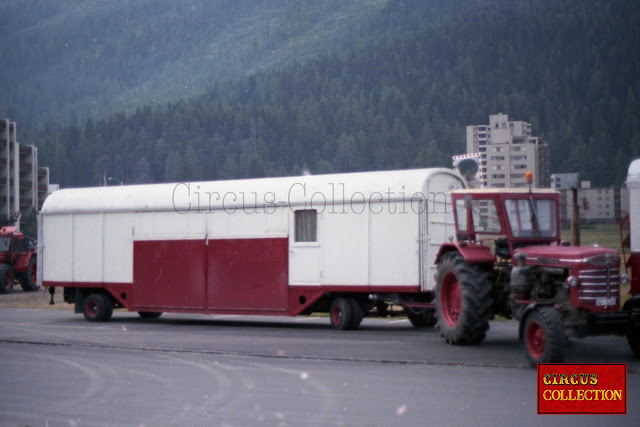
x: 393, y: 247
x: 56, y: 248
x: 169, y: 225
x: 87, y: 248
x: 345, y: 241
x: 248, y: 223
x: 118, y: 247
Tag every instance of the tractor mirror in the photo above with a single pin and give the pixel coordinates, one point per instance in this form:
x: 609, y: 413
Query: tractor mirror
x: 467, y: 201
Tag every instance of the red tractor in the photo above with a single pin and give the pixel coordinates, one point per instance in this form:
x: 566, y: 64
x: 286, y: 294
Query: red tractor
x: 508, y: 259
x: 17, y: 260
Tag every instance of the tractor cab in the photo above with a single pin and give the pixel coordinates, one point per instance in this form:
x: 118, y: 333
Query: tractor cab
x: 507, y: 219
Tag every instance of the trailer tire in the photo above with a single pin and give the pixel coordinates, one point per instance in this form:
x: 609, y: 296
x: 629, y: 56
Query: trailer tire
x: 382, y: 309
x: 463, y: 300
x: 149, y: 314
x: 544, y: 340
x: 341, y: 314
x: 28, y: 280
x: 97, y: 308
x: 357, y: 313
x: 6, y: 278
x: 424, y: 318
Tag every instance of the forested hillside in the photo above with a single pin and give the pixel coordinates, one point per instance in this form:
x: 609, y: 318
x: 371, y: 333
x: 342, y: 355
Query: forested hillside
x: 87, y: 57
x: 397, y: 94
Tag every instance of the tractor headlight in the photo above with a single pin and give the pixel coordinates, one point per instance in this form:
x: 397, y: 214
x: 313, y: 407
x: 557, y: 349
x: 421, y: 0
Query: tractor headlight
x: 624, y: 279
x: 572, y: 281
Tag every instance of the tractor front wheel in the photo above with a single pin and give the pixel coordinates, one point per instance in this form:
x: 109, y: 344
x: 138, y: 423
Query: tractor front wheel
x: 543, y: 336
x: 6, y: 278
x: 463, y: 300
x: 97, y: 308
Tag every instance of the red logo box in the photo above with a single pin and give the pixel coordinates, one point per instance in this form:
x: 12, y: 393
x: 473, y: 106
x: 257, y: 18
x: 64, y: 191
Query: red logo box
x: 582, y: 388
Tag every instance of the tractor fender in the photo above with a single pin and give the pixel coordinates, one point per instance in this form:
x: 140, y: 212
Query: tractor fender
x: 523, y: 317
x: 632, y: 303
x: 472, y: 254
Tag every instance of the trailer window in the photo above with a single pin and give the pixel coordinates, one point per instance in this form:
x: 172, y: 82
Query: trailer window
x: 306, y: 225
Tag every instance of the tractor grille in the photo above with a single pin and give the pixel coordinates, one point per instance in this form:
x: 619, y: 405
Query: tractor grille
x: 599, y: 284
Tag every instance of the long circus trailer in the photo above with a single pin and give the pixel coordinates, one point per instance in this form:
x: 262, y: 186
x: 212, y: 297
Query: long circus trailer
x: 342, y: 244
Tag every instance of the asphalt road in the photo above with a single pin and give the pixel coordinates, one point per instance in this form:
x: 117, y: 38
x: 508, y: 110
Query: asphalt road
x: 58, y: 369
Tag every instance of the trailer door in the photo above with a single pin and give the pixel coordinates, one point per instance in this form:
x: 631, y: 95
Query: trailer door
x: 305, y: 255
x: 169, y: 274
x: 436, y: 226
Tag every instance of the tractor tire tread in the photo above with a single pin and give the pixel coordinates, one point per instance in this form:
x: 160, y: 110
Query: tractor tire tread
x: 476, y: 303
x: 555, y: 337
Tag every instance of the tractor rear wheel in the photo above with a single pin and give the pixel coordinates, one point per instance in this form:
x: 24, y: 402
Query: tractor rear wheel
x: 28, y: 280
x: 97, y: 308
x: 341, y: 314
x: 543, y: 336
x: 6, y: 278
x: 463, y: 300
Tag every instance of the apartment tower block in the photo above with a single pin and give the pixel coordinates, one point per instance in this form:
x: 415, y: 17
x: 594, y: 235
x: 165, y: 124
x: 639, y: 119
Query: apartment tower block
x: 507, y: 150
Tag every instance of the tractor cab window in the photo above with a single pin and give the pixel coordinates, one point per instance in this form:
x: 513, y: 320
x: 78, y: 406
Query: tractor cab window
x: 484, y: 216
x: 5, y: 244
x: 532, y: 218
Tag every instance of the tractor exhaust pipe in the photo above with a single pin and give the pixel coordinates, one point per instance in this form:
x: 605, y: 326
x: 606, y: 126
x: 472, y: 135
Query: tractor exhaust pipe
x: 575, y: 218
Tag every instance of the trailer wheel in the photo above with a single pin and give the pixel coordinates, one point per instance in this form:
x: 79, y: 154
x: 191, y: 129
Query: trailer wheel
x: 544, y: 340
x: 424, y: 318
x: 149, y: 314
x: 97, y: 308
x: 382, y: 309
x: 358, y: 313
x: 463, y: 300
x: 6, y: 278
x: 28, y: 280
x: 341, y: 314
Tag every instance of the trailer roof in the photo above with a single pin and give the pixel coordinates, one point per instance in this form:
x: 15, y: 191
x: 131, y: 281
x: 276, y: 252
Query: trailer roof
x: 248, y: 193
x: 506, y: 191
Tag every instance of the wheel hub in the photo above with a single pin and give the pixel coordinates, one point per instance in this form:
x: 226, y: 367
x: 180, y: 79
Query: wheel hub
x: 336, y: 315
x: 451, y: 299
x: 92, y: 308
x: 535, y: 339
